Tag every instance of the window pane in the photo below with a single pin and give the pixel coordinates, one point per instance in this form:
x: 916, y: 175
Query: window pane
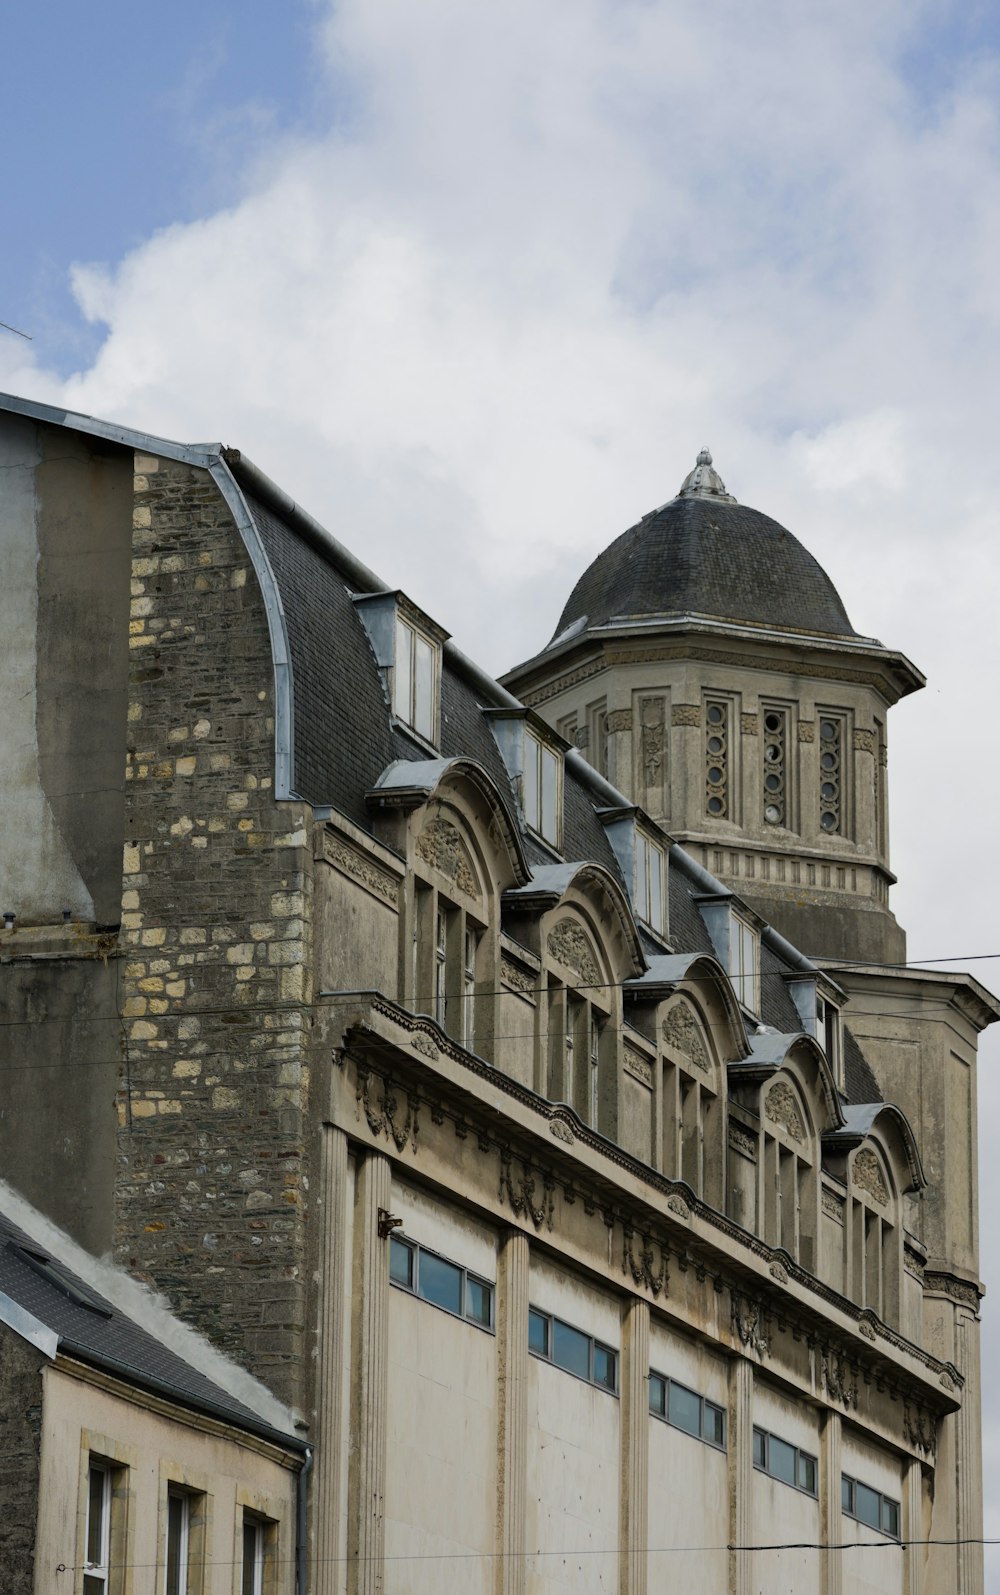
x: 570, y: 1349
x: 96, y: 1536
x: 758, y: 1448
x: 641, y: 877
x: 868, y: 1506
x: 402, y: 683
x: 890, y: 1518
x: 478, y: 1301
x: 714, y: 1425
x: 400, y: 1262
x: 423, y: 697
x: 685, y: 1409
x: 657, y: 1395
x: 176, y: 1583
x: 251, y: 1558
x: 94, y: 1586
x: 531, y: 752
x: 847, y: 1494
x: 606, y: 1367
x: 655, y: 916
x: 807, y: 1474
x: 781, y: 1460
x: 440, y: 1282
x: 538, y: 1333
x: 550, y: 788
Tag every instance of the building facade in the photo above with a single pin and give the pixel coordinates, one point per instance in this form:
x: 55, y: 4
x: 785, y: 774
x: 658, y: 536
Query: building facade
x: 572, y: 1153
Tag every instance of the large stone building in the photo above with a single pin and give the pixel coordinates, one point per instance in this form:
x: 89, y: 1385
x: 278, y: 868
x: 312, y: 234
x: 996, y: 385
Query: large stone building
x: 556, y: 1128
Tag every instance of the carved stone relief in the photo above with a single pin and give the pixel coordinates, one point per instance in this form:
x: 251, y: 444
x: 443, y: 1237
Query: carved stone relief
x: 422, y: 1043
x: 839, y: 1381
x: 519, y: 1192
x: 681, y: 1029
x: 807, y: 731
x: 562, y: 1131
x: 959, y: 1290
x: 678, y: 1205
x: 637, y: 1065
x: 750, y: 1324
x: 867, y: 1176
x: 920, y: 1429
x: 782, y: 1108
x: 364, y: 870
x: 743, y: 1142
x: 524, y: 981
x: 620, y: 720
x: 864, y: 742
x: 383, y: 1116
x: 833, y: 1205
x: 750, y: 725
x: 569, y: 944
x: 440, y: 845
x: 686, y: 714
x: 638, y: 1260
x: 652, y: 750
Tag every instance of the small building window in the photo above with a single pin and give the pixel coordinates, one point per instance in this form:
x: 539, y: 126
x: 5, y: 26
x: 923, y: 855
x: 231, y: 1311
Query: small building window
x: 829, y: 1034
x: 869, y: 1506
x: 97, y: 1564
x: 442, y: 1283
x: 259, y: 1540
x: 177, y: 1552
x: 572, y: 1350
x: 540, y: 788
x: 744, y: 963
x: 685, y: 1409
x: 650, y: 895
x: 784, y: 1462
x: 414, y: 682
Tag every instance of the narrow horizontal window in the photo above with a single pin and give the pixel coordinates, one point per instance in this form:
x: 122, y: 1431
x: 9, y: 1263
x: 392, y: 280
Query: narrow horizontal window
x: 440, y: 1282
x: 784, y: 1462
x: 869, y: 1506
x: 572, y: 1350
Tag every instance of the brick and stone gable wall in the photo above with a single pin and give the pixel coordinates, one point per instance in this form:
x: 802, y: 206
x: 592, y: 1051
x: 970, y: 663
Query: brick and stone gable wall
x: 216, y: 913
x: 20, y: 1451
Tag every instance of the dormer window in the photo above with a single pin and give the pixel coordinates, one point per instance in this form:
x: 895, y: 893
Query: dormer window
x: 744, y: 963
x: 829, y: 1034
x: 540, y: 783
x: 650, y: 892
x: 414, y: 680
x: 407, y: 647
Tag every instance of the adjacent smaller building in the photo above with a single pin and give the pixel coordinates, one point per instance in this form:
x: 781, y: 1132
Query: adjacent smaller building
x: 133, y: 1458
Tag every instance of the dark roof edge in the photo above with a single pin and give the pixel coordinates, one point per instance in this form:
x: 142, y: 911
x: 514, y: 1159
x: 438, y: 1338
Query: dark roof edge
x: 190, y: 1403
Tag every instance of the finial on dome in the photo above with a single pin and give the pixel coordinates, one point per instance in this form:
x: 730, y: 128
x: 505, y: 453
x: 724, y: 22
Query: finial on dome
x: 704, y: 481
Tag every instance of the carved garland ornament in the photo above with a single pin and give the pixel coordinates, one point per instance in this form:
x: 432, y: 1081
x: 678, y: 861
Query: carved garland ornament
x: 523, y: 981
x: 742, y: 1142
x: 383, y: 1117
x: 867, y: 1176
x: 440, y: 845
x: 568, y: 943
x: 685, y: 714
x: 640, y: 1263
x: 681, y: 1030
x: 920, y: 1429
x: 833, y: 1206
x: 749, y: 1324
x: 520, y: 1193
x: 781, y: 1108
x: 840, y: 1384
x: 620, y: 720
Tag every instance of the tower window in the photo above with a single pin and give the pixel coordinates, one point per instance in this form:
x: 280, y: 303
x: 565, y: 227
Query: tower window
x: 774, y: 776
x: 831, y: 755
x: 717, y: 758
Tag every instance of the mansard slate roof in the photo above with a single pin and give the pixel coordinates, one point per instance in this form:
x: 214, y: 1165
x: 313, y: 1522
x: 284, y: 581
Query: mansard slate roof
x: 89, y: 1327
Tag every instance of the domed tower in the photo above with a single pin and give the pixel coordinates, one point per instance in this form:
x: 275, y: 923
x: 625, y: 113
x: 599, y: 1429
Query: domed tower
x: 705, y: 664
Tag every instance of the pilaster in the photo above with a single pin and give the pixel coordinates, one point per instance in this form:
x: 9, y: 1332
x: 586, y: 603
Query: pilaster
x: 913, y: 1531
x: 634, y: 1513
x: 830, y: 1514
x: 741, y: 1476
x: 331, y: 1358
x: 369, y: 1357
x: 968, y: 1446
x: 513, y: 1279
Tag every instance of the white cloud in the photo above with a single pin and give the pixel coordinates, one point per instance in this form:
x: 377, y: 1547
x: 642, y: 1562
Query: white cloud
x: 545, y: 254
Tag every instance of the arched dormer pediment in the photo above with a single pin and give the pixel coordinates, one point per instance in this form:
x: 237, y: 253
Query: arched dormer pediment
x: 686, y: 1038
x: 480, y: 811
x: 785, y: 1107
x: 588, y: 895
x: 884, y: 1126
x: 703, y: 982
x: 801, y: 1058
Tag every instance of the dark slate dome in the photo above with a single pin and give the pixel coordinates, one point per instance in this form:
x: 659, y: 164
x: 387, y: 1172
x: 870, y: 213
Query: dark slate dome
x: 704, y: 554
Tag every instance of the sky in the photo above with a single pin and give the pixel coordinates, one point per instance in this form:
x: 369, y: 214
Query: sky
x: 475, y: 284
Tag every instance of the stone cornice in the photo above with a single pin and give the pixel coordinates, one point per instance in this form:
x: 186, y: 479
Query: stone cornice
x: 422, y: 1070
